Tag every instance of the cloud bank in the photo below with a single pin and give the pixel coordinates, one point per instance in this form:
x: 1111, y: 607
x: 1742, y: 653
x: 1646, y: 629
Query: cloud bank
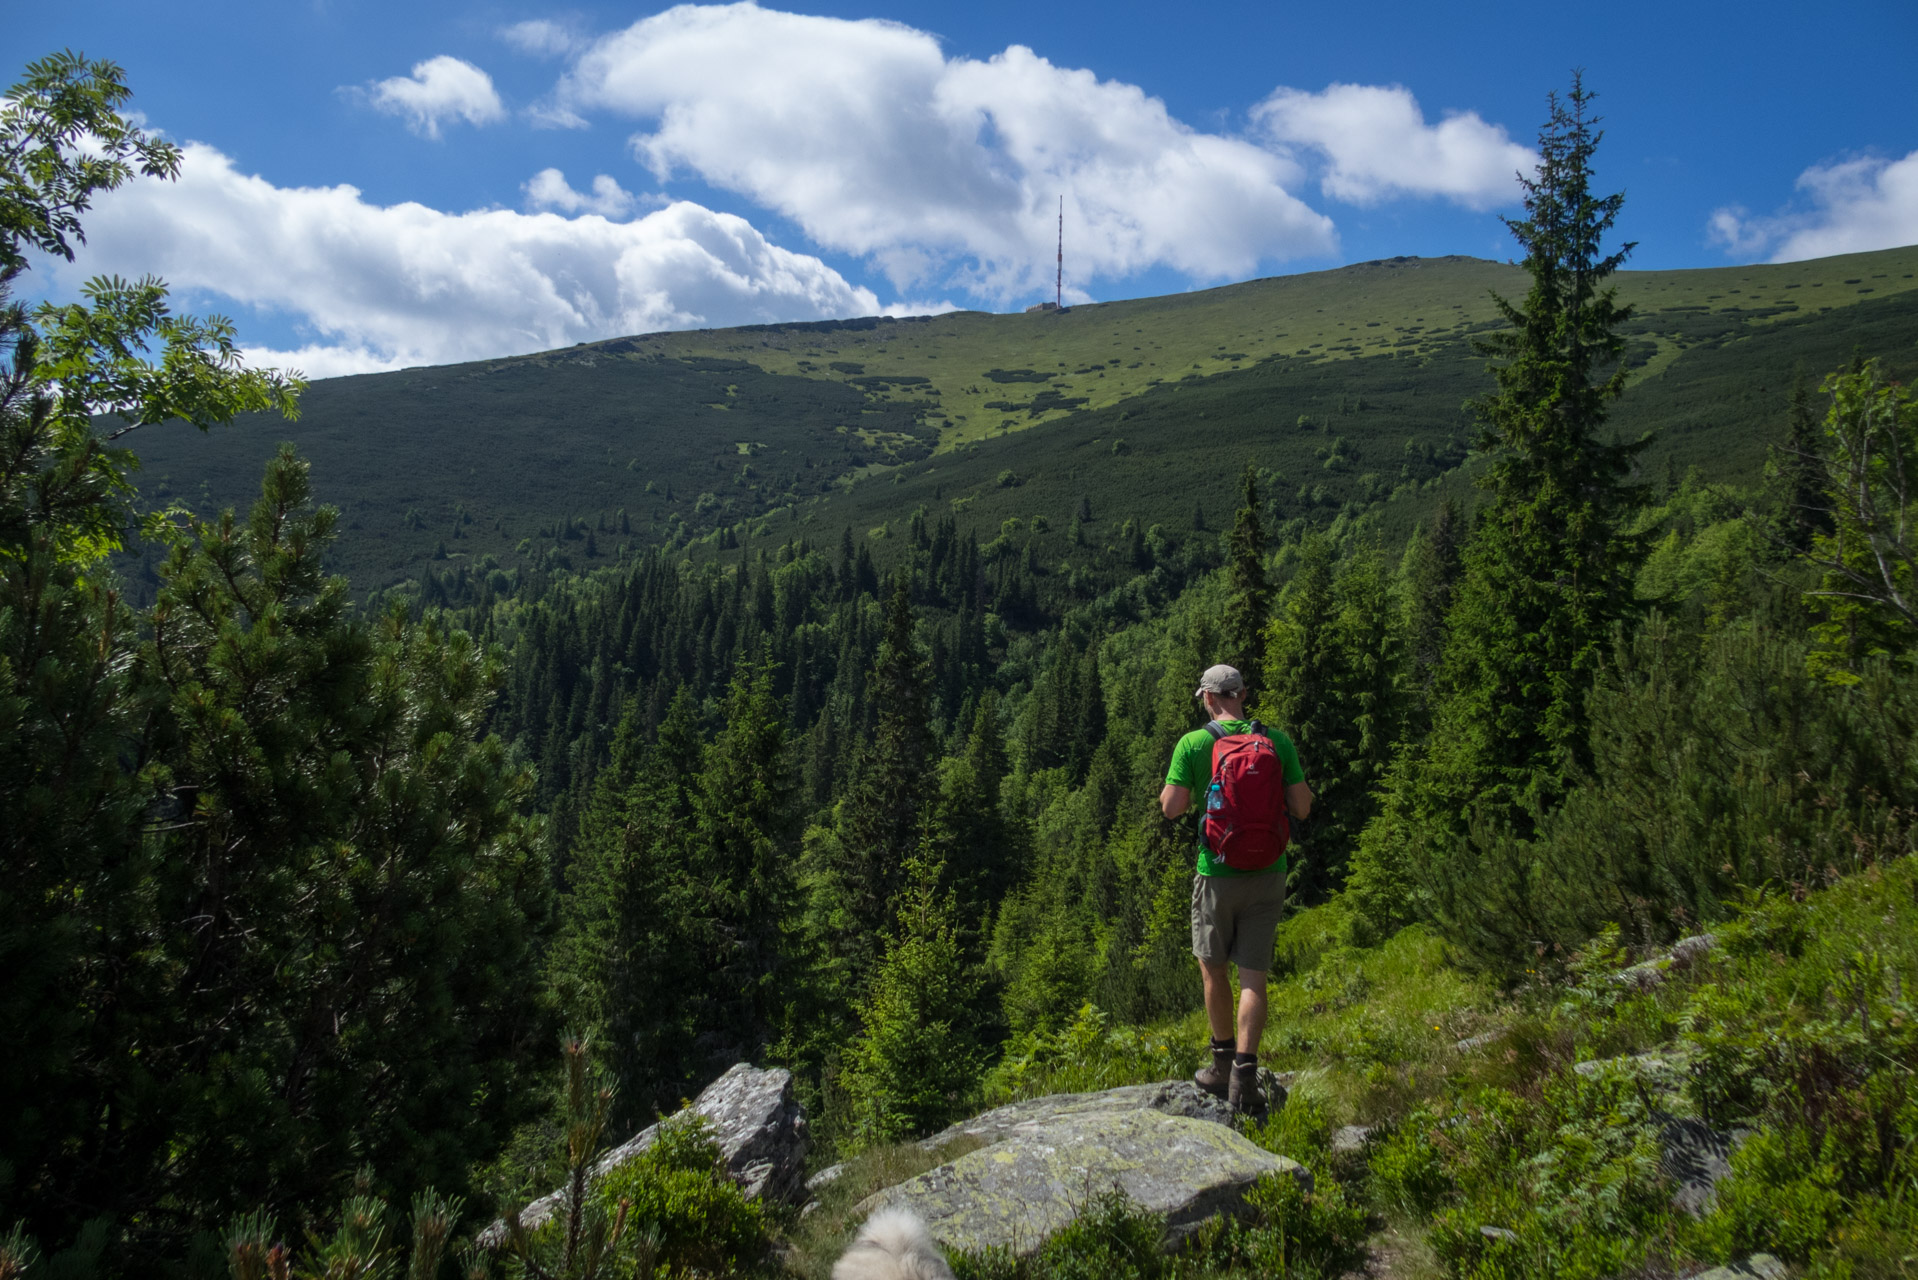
x: 388, y: 286
x: 1376, y: 145
x: 440, y: 90
x: 943, y: 170
x: 942, y: 173
x: 1853, y: 206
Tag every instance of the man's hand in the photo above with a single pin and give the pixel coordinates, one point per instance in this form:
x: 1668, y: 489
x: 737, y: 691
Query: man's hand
x: 1174, y: 801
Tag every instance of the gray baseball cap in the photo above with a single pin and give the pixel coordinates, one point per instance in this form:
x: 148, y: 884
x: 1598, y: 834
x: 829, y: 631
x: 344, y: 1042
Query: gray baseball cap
x: 1220, y: 679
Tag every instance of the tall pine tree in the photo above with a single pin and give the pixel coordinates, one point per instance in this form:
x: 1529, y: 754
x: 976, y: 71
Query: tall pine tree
x: 1334, y: 661
x: 1795, y: 481
x: 879, y: 817
x: 1547, y: 571
x: 1428, y: 577
x: 747, y: 840
x: 916, y: 1061
x: 1250, y: 603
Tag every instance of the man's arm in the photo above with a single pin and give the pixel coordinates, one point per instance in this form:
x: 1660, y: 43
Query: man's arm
x: 1298, y: 799
x: 1174, y: 800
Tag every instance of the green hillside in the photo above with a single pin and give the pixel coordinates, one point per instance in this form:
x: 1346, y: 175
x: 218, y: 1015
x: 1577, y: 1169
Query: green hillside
x: 1347, y: 383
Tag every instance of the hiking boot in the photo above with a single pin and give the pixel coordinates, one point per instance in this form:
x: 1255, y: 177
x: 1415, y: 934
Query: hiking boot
x: 1213, y: 1079
x: 1243, y: 1094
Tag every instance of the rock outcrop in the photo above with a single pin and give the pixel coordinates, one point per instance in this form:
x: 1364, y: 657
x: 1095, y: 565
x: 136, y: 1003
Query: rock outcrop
x: 1692, y: 1153
x: 1168, y: 1148
x: 1652, y: 973
x: 1169, y: 1097
x: 758, y: 1124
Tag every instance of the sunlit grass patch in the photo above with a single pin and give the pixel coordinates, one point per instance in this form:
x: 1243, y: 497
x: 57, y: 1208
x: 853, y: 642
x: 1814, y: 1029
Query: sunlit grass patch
x: 817, y: 1238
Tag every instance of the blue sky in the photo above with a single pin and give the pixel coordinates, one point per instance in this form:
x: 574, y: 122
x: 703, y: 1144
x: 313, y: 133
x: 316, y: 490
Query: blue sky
x: 368, y: 184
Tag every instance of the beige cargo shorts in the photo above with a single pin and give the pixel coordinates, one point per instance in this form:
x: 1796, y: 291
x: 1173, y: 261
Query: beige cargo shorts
x: 1236, y: 917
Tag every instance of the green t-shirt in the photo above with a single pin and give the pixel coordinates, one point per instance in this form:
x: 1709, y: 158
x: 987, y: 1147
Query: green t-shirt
x: 1191, y: 768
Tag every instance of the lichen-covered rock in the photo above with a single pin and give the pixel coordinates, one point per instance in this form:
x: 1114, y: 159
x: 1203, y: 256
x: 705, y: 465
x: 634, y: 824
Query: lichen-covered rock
x: 1040, y: 1174
x: 1663, y: 1072
x: 1169, y: 1097
x: 759, y: 1126
x: 1693, y: 1154
x: 1350, y: 1139
x: 1652, y: 973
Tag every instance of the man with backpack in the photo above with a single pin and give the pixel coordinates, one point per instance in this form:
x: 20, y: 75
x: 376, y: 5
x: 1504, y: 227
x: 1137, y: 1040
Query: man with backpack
x: 1252, y: 788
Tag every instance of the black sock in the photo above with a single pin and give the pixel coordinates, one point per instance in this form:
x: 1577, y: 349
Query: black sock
x: 1220, y: 1046
x: 1244, y: 1059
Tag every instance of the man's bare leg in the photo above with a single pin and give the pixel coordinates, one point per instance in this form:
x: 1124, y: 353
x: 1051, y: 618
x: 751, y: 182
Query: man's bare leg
x: 1218, y: 998
x: 1250, y: 1026
x: 1251, y: 1010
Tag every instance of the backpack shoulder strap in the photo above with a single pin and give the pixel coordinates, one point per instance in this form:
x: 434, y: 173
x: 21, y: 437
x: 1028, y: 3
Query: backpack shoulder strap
x: 1216, y: 729
x: 1261, y: 730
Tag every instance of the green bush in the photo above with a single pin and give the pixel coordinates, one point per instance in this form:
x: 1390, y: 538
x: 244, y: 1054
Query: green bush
x: 1781, y: 1198
x: 1088, y: 1055
x: 1408, y: 1168
x: 1300, y: 1130
x: 1113, y: 1239
x: 678, y: 1195
x: 1293, y: 1232
x: 1287, y: 1232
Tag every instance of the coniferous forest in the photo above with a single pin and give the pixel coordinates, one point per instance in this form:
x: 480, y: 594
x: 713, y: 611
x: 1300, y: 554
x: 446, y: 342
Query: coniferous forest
x: 303, y: 889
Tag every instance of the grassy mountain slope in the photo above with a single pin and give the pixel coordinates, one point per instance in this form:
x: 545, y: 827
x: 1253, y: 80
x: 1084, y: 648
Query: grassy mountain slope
x: 1347, y: 383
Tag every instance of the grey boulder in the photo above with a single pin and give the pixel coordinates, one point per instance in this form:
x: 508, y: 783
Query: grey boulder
x: 1044, y: 1166
x: 1169, y: 1097
x: 758, y: 1124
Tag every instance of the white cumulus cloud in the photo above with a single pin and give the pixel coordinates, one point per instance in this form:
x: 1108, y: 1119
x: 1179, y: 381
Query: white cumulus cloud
x: 387, y: 286
x: 548, y: 189
x: 1376, y: 145
x: 939, y: 169
x: 440, y: 89
x: 1851, y: 206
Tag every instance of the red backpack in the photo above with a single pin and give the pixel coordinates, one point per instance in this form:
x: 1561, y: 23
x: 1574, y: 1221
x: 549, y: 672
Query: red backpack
x: 1246, y: 823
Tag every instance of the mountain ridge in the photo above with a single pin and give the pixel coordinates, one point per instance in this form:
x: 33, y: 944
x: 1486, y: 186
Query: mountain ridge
x: 719, y: 434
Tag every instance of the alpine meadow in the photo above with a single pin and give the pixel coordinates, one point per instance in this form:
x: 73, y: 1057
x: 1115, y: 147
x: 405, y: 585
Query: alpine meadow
x: 415, y: 785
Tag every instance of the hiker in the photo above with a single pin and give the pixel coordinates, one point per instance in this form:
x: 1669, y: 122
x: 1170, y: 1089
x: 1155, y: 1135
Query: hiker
x: 1239, y: 892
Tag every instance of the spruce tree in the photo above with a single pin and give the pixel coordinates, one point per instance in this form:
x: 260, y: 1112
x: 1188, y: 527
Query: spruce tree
x: 1428, y: 578
x: 745, y: 849
x: 1299, y: 655
x: 978, y: 845
x: 1548, y: 570
x: 1333, y: 657
x: 655, y: 892
x: 1250, y: 603
x: 915, y: 1063
x: 1799, y: 509
x: 611, y: 835
x: 880, y: 815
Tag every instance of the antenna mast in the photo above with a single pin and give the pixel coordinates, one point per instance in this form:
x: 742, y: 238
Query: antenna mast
x: 1059, y: 282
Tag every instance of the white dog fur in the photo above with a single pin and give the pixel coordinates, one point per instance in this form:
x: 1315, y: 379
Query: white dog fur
x: 893, y: 1245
